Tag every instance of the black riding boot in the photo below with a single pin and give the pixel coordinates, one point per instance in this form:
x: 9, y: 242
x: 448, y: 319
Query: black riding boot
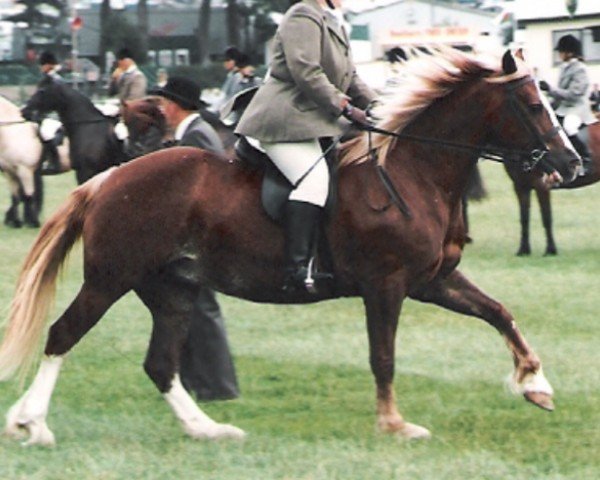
x: 582, y: 150
x: 51, y: 164
x: 301, y: 225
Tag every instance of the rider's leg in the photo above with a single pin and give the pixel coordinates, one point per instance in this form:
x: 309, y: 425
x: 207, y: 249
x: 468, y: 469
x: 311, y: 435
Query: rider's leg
x: 52, y: 159
x: 303, y: 165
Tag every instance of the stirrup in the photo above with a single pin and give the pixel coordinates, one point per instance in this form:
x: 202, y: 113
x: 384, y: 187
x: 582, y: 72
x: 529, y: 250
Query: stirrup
x: 305, y: 279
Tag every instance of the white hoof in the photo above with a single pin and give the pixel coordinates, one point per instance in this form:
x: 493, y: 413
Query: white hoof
x: 410, y: 431
x: 39, y: 434
x: 216, y: 431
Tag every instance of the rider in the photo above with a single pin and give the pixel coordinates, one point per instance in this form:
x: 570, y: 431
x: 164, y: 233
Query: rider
x: 127, y: 80
x: 311, y: 83
x: 50, y: 131
x: 571, y: 96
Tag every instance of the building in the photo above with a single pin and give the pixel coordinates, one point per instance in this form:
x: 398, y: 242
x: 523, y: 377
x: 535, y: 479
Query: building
x: 542, y: 22
x: 379, y: 25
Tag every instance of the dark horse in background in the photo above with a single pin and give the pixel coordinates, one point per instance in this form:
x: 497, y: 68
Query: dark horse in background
x: 168, y: 222
x: 525, y: 182
x: 93, y: 144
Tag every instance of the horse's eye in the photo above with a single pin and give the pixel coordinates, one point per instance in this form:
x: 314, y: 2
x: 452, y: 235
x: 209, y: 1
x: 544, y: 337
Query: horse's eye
x: 536, y: 108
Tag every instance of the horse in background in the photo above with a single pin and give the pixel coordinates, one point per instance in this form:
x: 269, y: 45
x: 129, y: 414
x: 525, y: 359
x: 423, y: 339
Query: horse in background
x: 21, y: 153
x: 526, y: 182
x: 181, y: 218
x: 93, y: 144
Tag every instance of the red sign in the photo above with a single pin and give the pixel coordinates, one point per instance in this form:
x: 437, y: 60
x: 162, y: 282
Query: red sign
x: 76, y: 23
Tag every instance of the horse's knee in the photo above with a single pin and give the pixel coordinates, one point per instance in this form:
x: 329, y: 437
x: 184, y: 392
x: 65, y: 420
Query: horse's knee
x: 160, y: 372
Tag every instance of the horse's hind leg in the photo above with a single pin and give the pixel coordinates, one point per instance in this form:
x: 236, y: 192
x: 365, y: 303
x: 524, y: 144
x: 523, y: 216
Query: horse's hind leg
x: 171, y: 307
x: 11, y: 217
x: 30, y: 411
x: 458, y: 294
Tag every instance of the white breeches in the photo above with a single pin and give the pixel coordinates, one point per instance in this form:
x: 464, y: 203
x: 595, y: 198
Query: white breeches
x: 294, y: 159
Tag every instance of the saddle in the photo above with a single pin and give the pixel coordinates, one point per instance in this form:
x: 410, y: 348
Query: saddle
x: 276, y: 188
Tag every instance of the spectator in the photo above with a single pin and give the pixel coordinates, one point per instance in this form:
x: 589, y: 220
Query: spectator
x: 206, y: 368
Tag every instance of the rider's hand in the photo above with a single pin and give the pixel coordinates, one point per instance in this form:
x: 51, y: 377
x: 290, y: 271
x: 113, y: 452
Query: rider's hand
x: 544, y: 87
x: 357, y: 116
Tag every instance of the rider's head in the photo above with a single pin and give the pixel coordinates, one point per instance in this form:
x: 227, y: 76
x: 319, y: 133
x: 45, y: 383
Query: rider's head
x: 47, y: 61
x: 180, y: 97
x: 124, y: 58
x: 568, y: 47
x: 230, y: 56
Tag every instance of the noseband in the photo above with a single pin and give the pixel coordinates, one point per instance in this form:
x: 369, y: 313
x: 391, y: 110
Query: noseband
x: 537, y: 155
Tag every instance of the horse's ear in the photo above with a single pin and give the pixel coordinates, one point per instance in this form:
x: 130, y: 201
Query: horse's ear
x: 508, y: 63
x: 519, y: 54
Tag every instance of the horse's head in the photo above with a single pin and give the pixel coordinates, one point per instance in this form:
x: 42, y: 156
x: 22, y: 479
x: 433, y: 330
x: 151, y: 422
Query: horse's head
x: 143, y: 115
x: 523, y: 124
x: 47, y: 98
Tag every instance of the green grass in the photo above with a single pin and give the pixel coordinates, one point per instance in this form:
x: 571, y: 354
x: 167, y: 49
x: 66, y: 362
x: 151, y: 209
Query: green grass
x: 308, y: 396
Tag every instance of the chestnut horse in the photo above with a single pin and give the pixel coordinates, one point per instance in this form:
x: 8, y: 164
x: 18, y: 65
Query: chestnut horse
x: 525, y: 182
x: 165, y: 223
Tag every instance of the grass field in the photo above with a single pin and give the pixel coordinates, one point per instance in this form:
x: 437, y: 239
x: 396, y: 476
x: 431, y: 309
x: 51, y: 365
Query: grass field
x: 308, y: 396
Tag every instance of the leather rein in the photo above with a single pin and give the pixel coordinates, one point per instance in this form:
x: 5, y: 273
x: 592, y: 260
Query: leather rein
x: 529, y: 159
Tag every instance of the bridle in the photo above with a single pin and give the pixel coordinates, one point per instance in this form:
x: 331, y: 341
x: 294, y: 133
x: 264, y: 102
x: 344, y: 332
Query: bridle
x: 529, y: 159
x: 533, y: 156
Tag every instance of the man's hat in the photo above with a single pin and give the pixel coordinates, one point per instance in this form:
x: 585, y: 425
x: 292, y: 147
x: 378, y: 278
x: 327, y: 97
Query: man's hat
x: 124, y: 53
x: 568, y: 43
x: 181, y: 90
x: 47, y: 58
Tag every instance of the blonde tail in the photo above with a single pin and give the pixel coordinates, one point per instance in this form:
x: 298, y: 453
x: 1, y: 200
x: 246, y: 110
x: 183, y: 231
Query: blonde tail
x: 36, y: 285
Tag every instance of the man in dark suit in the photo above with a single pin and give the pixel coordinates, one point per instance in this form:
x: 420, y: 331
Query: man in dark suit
x: 206, y: 365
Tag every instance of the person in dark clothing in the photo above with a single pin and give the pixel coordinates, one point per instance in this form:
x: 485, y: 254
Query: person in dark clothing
x: 207, y: 367
x: 51, y: 133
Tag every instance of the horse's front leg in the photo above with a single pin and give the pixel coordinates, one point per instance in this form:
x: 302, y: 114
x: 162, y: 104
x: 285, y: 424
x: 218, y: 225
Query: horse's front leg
x: 455, y: 292
x: 543, y: 196
x: 383, y: 308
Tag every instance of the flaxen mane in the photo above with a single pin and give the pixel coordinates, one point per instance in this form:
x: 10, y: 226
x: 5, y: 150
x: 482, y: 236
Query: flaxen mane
x: 428, y: 78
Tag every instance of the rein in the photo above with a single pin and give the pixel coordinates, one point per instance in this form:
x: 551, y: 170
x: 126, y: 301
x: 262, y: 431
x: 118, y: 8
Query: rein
x: 499, y: 154
x: 12, y: 122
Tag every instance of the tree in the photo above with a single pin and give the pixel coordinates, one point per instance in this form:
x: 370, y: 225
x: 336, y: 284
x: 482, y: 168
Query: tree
x: 142, y: 14
x: 203, y: 32
x: 105, y: 12
x: 43, y: 18
x: 233, y: 24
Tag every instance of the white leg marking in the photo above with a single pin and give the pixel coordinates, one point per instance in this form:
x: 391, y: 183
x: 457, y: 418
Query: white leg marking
x: 532, y: 382
x: 195, y: 422
x: 31, y: 409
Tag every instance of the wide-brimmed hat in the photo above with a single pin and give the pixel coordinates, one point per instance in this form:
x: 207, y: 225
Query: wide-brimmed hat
x: 181, y: 90
x: 568, y: 43
x: 47, y: 58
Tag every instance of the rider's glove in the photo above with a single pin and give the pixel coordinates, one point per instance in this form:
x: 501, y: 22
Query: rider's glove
x: 544, y: 87
x: 357, y: 116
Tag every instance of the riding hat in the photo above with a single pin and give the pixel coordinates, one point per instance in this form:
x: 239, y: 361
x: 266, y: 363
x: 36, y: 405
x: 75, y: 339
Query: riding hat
x: 181, y: 90
x: 231, y: 53
x: 124, y: 53
x: 47, y: 58
x: 570, y: 44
